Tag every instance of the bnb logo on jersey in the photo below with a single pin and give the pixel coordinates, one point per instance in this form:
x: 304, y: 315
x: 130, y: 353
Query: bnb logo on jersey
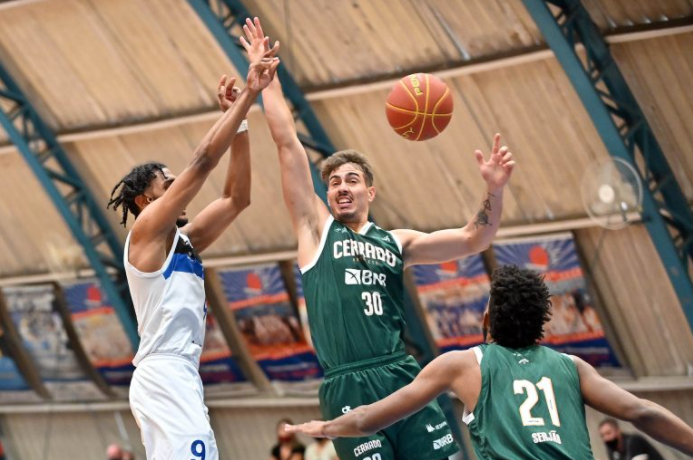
x: 355, y: 276
x: 442, y: 442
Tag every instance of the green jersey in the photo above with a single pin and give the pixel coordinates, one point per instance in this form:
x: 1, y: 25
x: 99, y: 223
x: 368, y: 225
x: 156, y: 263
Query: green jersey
x: 530, y: 406
x: 354, y: 290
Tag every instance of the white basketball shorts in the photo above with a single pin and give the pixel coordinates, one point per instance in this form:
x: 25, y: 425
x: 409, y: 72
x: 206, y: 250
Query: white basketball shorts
x: 167, y: 400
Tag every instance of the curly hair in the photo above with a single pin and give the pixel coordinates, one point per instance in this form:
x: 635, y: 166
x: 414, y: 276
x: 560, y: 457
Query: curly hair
x: 519, y: 306
x: 343, y: 157
x: 131, y: 186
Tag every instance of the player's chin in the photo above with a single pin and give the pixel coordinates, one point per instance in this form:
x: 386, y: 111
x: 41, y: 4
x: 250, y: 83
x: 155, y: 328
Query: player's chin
x: 182, y: 221
x: 344, y: 215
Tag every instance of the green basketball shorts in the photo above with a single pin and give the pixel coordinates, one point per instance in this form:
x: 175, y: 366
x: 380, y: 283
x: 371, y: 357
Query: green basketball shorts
x: 421, y: 436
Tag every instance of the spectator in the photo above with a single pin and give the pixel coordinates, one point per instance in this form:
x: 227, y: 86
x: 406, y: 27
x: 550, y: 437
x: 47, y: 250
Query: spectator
x: 287, y: 447
x: 321, y: 449
x: 622, y: 446
x: 114, y: 452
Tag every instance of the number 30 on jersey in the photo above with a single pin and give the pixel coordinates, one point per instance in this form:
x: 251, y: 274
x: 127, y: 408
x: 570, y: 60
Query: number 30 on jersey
x: 374, y: 303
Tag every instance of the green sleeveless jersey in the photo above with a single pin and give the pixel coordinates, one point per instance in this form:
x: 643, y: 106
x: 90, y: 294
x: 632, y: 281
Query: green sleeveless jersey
x: 354, y: 289
x: 530, y: 406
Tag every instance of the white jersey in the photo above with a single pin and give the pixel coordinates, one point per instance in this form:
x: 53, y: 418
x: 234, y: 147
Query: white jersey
x: 170, y: 303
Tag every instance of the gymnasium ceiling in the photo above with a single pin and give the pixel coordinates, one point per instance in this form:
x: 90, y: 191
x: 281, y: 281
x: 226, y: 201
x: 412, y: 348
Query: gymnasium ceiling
x: 126, y: 81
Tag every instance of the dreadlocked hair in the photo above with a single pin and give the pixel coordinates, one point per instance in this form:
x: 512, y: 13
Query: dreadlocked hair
x: 131, y: 186
x: 519, y: 306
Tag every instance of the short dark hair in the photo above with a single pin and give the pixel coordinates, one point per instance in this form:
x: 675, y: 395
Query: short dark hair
x: 131, y: 186
x: 519, y: 306
x: 609, y: 421
x: 343, y: 157
x: 284, y: 421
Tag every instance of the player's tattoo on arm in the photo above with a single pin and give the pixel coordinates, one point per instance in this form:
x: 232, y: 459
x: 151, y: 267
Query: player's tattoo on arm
x: 482, y: 219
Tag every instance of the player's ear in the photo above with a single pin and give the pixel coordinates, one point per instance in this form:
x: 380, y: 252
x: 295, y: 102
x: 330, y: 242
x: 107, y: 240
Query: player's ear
x: 141, y: 201
x: 371, y: 193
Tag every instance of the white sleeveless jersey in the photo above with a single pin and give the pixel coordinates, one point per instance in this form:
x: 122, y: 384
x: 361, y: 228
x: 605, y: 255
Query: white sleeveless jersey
x: 170, y: 303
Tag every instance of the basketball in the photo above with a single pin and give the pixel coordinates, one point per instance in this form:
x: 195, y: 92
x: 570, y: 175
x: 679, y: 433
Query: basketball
x: 419, y: 107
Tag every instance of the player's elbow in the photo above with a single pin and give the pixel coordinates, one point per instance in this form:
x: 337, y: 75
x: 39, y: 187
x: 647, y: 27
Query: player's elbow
x: 204, y: 161
x: 474, y: 242
x: 284, y: 139
x: 241, y: 201
x: 482, y: 245
x: 642, y: 413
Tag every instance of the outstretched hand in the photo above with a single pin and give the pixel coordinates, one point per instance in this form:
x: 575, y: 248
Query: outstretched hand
x: 314, y: 429
x: 497, y: 170
x: 261, y: 73
x: 227, y: 92
x: 255, y: 42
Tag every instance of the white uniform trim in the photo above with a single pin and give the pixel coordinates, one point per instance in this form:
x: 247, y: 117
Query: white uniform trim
x: 397, y: 241
x: 365, y: 228
x: 468, y: 417
x: 323, y: 239
x: 479, y: 354
x: 141, y: 274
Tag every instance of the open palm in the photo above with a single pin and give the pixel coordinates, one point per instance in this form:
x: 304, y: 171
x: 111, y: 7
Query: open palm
x: 254, y: 42
x: 261, y: 73
x: 497, y: 170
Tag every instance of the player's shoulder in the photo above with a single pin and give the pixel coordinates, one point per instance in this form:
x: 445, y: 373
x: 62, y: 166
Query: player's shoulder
x: 459, y: 359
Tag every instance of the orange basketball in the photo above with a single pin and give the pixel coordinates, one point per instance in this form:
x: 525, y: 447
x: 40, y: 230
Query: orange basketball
x: 419, y: 107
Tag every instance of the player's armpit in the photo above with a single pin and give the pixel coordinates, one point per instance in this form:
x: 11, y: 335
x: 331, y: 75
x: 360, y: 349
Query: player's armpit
x: 307, y: 211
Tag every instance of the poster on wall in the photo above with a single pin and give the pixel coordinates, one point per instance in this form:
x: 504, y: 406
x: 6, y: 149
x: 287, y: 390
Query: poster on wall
x: 13, y: 387
x: 101, y: 333
x: 454, y: 297
x: 270, y: 326
x: 219, y: 369
x: 35, y: 315
x: 575, y: 327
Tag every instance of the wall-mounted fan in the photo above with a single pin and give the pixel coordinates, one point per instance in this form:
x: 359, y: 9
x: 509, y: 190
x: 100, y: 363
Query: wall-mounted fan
x: 611, y: 192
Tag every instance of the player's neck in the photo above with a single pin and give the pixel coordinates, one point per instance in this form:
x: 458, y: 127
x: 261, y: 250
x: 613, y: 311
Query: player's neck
x: 356, y: 226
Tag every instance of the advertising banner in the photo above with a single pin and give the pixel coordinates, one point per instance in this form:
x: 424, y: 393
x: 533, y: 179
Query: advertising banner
x: 34, y: 312
x: 101, y: 333
x: 454, y: 297
x: 13, y: 387
x: 270, y: 326
x: 219, y: 370
x: 575, y: 327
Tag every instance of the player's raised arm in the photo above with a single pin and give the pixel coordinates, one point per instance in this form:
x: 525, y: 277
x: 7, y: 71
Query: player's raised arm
x: 149, y: 232
x: 307, y: 211
x: 476, y: 236
x: 219, y: 214
x: 439, y: 376
x: 650, y: 418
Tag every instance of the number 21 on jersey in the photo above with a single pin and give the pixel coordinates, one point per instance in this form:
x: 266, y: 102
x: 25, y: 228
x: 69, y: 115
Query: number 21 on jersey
x: 546, y: 386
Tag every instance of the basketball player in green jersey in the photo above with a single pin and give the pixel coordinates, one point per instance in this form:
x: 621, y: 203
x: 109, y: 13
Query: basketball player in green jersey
x: 353, y: 281
x: 522, y: 400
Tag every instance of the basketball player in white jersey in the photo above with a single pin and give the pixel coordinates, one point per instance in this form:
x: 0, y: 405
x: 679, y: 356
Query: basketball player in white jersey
x: 166, y: 276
